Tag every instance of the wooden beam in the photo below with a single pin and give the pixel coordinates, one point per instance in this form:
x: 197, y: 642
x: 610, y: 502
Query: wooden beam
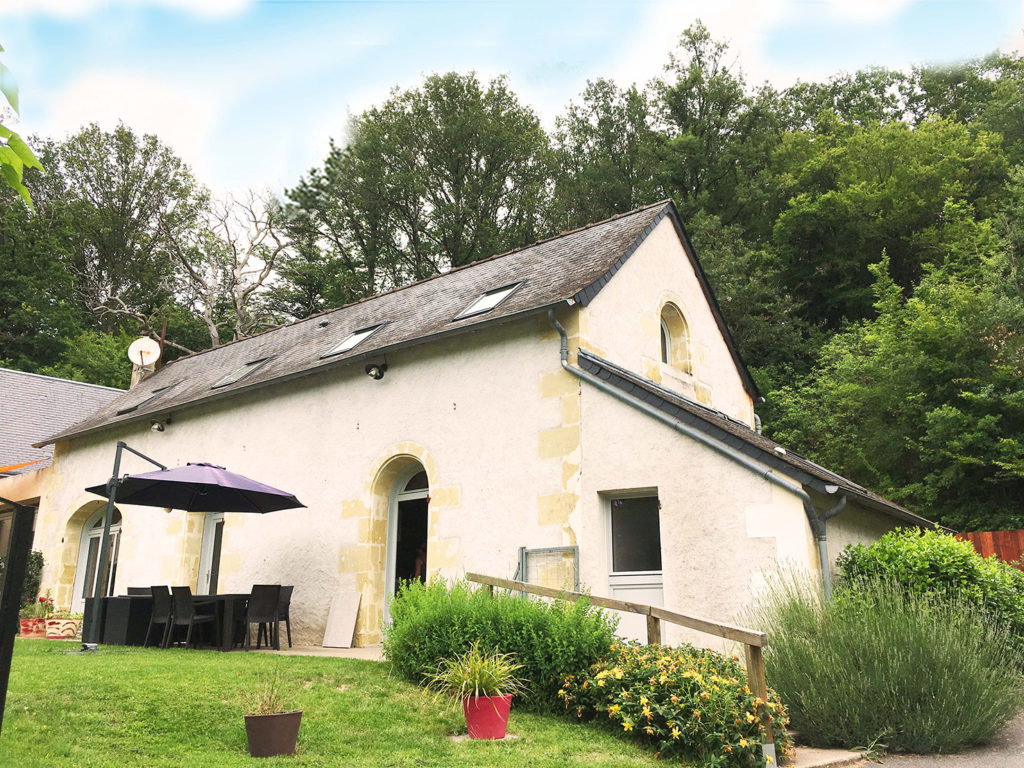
x: 728, y: 631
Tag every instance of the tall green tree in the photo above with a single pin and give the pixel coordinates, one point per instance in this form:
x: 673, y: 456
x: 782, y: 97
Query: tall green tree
x: 607, y: 155
x: 922, y: 403
x: 436, y: 177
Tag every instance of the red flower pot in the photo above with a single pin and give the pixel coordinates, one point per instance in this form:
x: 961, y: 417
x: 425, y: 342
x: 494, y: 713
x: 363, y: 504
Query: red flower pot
x: 32, y: 627
x: 270, y: 735
x: 487, y: 716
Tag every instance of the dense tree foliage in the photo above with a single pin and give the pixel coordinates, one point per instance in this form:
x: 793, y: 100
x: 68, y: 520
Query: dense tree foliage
x: 864, y: 236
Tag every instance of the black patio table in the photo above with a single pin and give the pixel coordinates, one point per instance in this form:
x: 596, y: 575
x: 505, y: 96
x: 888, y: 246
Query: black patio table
x: 228, y: 607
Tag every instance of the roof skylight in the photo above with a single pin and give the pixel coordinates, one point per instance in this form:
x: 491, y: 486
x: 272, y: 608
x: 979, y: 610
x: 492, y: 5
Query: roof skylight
x: 353, y: 340
x: 155, y: 394
x: 488, y: 301
x: 241, y: 373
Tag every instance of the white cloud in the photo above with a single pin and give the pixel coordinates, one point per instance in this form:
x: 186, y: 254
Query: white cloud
x: 78, y: 8
x: 867, y: 10
x: 183, y: 117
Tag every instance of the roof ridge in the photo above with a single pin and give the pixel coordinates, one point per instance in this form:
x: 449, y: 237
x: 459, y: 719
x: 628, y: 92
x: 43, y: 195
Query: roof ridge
x: 58, y: 378
x: 429, y: 278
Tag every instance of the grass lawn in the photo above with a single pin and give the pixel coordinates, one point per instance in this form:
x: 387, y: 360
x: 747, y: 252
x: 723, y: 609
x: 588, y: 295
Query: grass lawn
x: 133, y: 707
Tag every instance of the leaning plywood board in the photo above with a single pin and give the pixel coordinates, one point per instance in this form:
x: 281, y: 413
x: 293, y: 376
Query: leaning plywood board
x: 341, y: 621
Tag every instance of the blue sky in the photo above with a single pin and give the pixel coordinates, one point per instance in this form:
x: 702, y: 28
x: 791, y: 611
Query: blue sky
x: 249, y: 92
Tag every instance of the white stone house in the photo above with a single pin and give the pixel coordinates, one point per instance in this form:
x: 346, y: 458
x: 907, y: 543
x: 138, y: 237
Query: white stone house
x: 631, y: 438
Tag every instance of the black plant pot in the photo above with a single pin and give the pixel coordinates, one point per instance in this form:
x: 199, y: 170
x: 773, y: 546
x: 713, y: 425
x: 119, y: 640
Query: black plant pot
x: 271, y: 735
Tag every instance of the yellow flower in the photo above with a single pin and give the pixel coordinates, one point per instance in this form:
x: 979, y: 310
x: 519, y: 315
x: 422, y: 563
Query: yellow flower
x: 647, y: 712
x: 705, y: 695
x: 750, y: 718
x: 627, y: 726
x: 744, y: 742
x: 600, y: 683
x: 675, y: 733
x: 643, y: 699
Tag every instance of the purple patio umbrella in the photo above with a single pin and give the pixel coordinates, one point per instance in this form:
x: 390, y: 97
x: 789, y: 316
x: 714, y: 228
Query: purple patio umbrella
x: 200, y: 487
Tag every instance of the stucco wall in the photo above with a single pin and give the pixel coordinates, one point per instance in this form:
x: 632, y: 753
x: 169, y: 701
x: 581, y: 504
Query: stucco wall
x: 856, y: 525
x: 623, y: 324
x: 723, y: 528
x: 489, y: 417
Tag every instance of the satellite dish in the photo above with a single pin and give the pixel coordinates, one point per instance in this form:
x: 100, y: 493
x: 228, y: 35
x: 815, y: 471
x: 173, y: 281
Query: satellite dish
x: 144, y: 352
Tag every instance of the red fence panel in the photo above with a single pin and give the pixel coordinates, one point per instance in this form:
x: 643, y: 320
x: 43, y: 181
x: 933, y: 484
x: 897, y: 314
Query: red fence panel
x: 1008, y: 546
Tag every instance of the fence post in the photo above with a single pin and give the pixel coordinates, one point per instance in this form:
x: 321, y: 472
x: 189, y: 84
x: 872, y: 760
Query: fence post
x: 653, y: 630
x: 490, y: 590
x: 759, y: 687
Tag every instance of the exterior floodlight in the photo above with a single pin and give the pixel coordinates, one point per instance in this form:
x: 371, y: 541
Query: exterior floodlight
x: 158, y: 425
x: 375, y: 371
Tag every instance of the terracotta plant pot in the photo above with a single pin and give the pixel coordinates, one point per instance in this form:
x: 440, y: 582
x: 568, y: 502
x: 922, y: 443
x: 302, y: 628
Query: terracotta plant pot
x: 32, y: 627
x: 62, y: 629
x: 486, y: 716
x: 271, y: 735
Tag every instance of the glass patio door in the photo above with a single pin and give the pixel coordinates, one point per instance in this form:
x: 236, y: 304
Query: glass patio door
x: 209, y: 556
x: 88, y: 558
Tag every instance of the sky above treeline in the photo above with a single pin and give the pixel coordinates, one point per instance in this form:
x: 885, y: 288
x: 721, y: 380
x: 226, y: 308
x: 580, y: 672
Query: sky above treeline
x: 249, y: 92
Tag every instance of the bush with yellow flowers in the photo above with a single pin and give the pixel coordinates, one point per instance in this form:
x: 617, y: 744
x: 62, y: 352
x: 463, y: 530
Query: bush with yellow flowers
x: 684, y: 703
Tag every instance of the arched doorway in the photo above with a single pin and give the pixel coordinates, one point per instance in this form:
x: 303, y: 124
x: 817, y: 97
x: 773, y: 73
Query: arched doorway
x: 407, y: 530
x: 88, y: 557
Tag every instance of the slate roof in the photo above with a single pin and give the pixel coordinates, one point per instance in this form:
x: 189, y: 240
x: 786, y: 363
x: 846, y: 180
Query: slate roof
x: 572, y: 266
x: 33, y: 407
x: 741, y: 437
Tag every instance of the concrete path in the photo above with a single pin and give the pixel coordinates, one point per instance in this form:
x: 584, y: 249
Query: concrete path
x: 810, y: 757
x: 1005, y: 751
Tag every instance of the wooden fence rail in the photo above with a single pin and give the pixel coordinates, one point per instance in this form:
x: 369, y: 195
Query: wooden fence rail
x: 753, y: 641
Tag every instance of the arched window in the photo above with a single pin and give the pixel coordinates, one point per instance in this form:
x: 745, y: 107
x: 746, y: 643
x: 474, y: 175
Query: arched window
x: 675, y: 339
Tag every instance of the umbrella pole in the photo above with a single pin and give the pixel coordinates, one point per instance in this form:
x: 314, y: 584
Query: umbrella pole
x: 95, y: 617
x: 14, y: 579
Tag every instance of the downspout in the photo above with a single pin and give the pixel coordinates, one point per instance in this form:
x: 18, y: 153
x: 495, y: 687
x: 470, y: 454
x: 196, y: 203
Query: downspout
x: 817, y: 523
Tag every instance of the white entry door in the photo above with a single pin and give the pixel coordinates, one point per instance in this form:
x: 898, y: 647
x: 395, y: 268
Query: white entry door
x: 209, y: 555
x: 636, y: 573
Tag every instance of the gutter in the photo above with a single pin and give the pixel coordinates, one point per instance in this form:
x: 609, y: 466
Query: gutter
x: 816, y: 522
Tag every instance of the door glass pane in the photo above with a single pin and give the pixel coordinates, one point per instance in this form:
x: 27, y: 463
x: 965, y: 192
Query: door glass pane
x: 90, y: 567
x: 114, y: 545
x: 636, y: 535
x: 218, y: 535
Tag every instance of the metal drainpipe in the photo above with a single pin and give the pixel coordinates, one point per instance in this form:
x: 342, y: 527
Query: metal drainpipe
x: 816, y: 523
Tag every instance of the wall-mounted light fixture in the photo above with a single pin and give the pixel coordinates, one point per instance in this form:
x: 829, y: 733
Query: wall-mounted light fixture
x: 376, y: 370
x: 159, y: 425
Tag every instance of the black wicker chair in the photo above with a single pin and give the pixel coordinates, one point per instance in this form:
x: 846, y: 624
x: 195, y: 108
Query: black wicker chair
x: 263, y: 611
x: 185, y: 615
x: 283, y: 607
x: 160, y: 615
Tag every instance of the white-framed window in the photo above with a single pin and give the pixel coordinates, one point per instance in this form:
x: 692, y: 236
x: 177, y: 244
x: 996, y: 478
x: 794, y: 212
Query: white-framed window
x: 353, y: 340
x: 488, y: 301
x: 635, y: 568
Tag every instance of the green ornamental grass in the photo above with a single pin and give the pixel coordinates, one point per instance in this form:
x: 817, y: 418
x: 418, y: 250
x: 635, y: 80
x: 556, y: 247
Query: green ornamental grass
x: 882, y: 664
x: 550, y: 639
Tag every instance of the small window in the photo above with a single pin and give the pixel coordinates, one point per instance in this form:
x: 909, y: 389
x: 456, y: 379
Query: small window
x: 488, y: 301
x: 353, y: 340
x: 151, y: 398
x: 636, y: 534
x: 675, y: 339
x: 241, y: 373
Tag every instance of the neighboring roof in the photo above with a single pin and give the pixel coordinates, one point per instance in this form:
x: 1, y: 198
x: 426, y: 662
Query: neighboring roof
x: 739, y: 436
x: 572, y: 266
x: 34, y: 406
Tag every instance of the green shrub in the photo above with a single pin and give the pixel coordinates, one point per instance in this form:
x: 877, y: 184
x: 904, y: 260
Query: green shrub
x: 33, y: 575
x: 683, y: 702
x: 430, y: 623
x: 938, y: 563
x: 916, y: 672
